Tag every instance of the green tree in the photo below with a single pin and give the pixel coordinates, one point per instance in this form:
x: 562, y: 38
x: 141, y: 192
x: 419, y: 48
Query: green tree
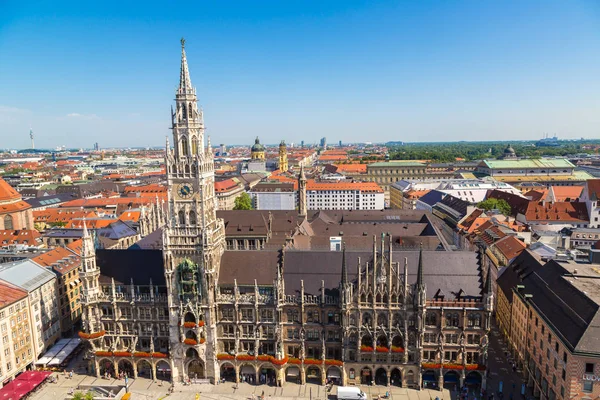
x: 243, y: 202
x: 495, y: 204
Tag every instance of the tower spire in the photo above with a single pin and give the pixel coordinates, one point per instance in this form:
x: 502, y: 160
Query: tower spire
x: 344, y: 266
x: 420, y: 268
x: 185, y: 83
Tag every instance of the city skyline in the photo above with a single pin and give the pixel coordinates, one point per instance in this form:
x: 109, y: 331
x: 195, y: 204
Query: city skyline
x: 461, y: 71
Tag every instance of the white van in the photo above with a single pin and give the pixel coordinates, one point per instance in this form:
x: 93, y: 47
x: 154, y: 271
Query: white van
x: 350, y: 393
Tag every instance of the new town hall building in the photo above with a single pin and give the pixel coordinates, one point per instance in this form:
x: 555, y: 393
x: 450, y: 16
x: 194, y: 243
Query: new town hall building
x: 267, y: 297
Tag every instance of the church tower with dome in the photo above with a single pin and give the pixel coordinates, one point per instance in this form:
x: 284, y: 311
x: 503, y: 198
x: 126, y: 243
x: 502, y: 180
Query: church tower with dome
x: 257, y: 151
x: 509, y: 153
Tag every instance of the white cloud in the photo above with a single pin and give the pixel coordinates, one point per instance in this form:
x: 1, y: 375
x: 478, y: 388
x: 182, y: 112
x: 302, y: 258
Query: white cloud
x: 83, y: 116
x: 12, y: 114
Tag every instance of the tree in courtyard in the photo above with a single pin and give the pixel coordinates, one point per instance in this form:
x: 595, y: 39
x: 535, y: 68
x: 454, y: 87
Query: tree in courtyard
x: 243, y: 202
x: 495, y: 204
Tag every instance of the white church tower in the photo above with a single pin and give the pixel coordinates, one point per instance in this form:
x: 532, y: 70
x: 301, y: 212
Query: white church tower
x: 193, y: 239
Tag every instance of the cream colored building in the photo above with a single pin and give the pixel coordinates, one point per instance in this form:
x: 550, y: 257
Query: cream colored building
x: 16, y: 352
x: 41, y: 287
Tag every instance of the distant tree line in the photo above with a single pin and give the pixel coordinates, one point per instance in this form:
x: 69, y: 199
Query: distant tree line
x: 448, y: 152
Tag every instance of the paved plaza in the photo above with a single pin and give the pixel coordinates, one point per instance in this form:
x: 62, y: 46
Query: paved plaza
x: 145, y: 389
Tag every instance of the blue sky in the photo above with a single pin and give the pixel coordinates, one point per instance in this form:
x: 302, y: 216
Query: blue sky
x: 81, y: 72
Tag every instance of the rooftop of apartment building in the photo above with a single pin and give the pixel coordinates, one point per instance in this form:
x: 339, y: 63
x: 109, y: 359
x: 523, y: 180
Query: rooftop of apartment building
x: 565, y: 293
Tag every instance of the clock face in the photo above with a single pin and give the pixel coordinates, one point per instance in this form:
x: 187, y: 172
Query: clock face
x: 185, y: 190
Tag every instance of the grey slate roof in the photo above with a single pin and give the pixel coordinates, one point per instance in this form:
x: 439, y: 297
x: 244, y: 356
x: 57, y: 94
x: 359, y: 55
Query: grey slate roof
x: 26, y: 274
x: 570, y: 305
x: 448, y: 272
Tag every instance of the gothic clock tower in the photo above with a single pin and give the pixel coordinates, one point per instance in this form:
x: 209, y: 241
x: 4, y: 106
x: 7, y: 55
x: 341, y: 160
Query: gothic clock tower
x: 193, y: 239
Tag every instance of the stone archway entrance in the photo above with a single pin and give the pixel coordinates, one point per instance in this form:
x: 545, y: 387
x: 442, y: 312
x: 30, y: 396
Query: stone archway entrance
x: 381, y: 377
x: 163, y: 370
x: 366, y: 376
x: 334, y: 375
x: 107, y: 369
x: 313, y: 375
x: 451, y: 380
x: 126, y: 368
x: 144, y: 369
x: 228, y: 372
x: 195, y: 369
x: 267, y: 375
x: 396, y: 378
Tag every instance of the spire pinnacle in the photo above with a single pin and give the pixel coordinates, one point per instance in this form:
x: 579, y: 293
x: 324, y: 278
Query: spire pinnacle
x: 344, y: 266
x: 302, y: 175
x: 185, y: 83
x: 420, y: 268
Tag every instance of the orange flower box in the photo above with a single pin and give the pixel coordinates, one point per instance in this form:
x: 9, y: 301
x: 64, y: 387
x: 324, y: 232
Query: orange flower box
x: 382, y: 349
x: 200, y: 323
x: 90, y: 336
x: 157, y: 354
x: 191, y: 342
x: 245, y: 357
x: 225, y: 356
x: 431, y: 365
x: 104, y: 353
x: 312, y: 361
x: 475, y: 367
x: 189, y: 324
x: 264, y: 357
x: 294, y: 360
x: 279, y: 362
x: 122, y: 354
x: 453, y: 366
x: 202, y: 340
x: 397, y: 349
x: 141, y: 354
x: 366, y: 349
x: 334, y: 362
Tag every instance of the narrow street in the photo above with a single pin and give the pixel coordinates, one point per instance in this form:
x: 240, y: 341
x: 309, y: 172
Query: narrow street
x: 500, y: 370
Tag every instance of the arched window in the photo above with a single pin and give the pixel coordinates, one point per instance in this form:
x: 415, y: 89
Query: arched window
x: 183, y: 111
x: 194, y: 147
x: 184, y: 147
x: 187, y: 169
x: 192, y: 218
x: 366, y: 320
x: 412, y: 340
x: 382, y: 320
x: 352, y: 320
x: 452, y: 320
x: 190, y: 111
x: 8, y: 222
x: 431, y: 319
x: 474, y: 319
x: 181, y: 217
x: 398, y: 321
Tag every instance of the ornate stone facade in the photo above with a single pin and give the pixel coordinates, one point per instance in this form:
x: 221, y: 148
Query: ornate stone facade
x: 228, y: 314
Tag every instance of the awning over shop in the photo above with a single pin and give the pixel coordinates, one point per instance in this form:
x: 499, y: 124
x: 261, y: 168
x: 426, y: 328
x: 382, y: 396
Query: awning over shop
x: 23, y: 384
x: 65, y: 352
x: 429, y: 377
x: 333, y: 373
x: 50, y: 354
x: 293, y: 371
x: 247, y: 369
x: 473, y: 381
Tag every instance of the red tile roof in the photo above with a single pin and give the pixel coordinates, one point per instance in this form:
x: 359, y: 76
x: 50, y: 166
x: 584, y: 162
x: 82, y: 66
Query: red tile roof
x: 23, y: 236
x: 559, y: 211
x: 593, y: 188
x: 60, y: 260
x: 510, y: 247
x: 10, y: 294
x: 362, y: 186
x: 226, y: 185
x: 566, y: 193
